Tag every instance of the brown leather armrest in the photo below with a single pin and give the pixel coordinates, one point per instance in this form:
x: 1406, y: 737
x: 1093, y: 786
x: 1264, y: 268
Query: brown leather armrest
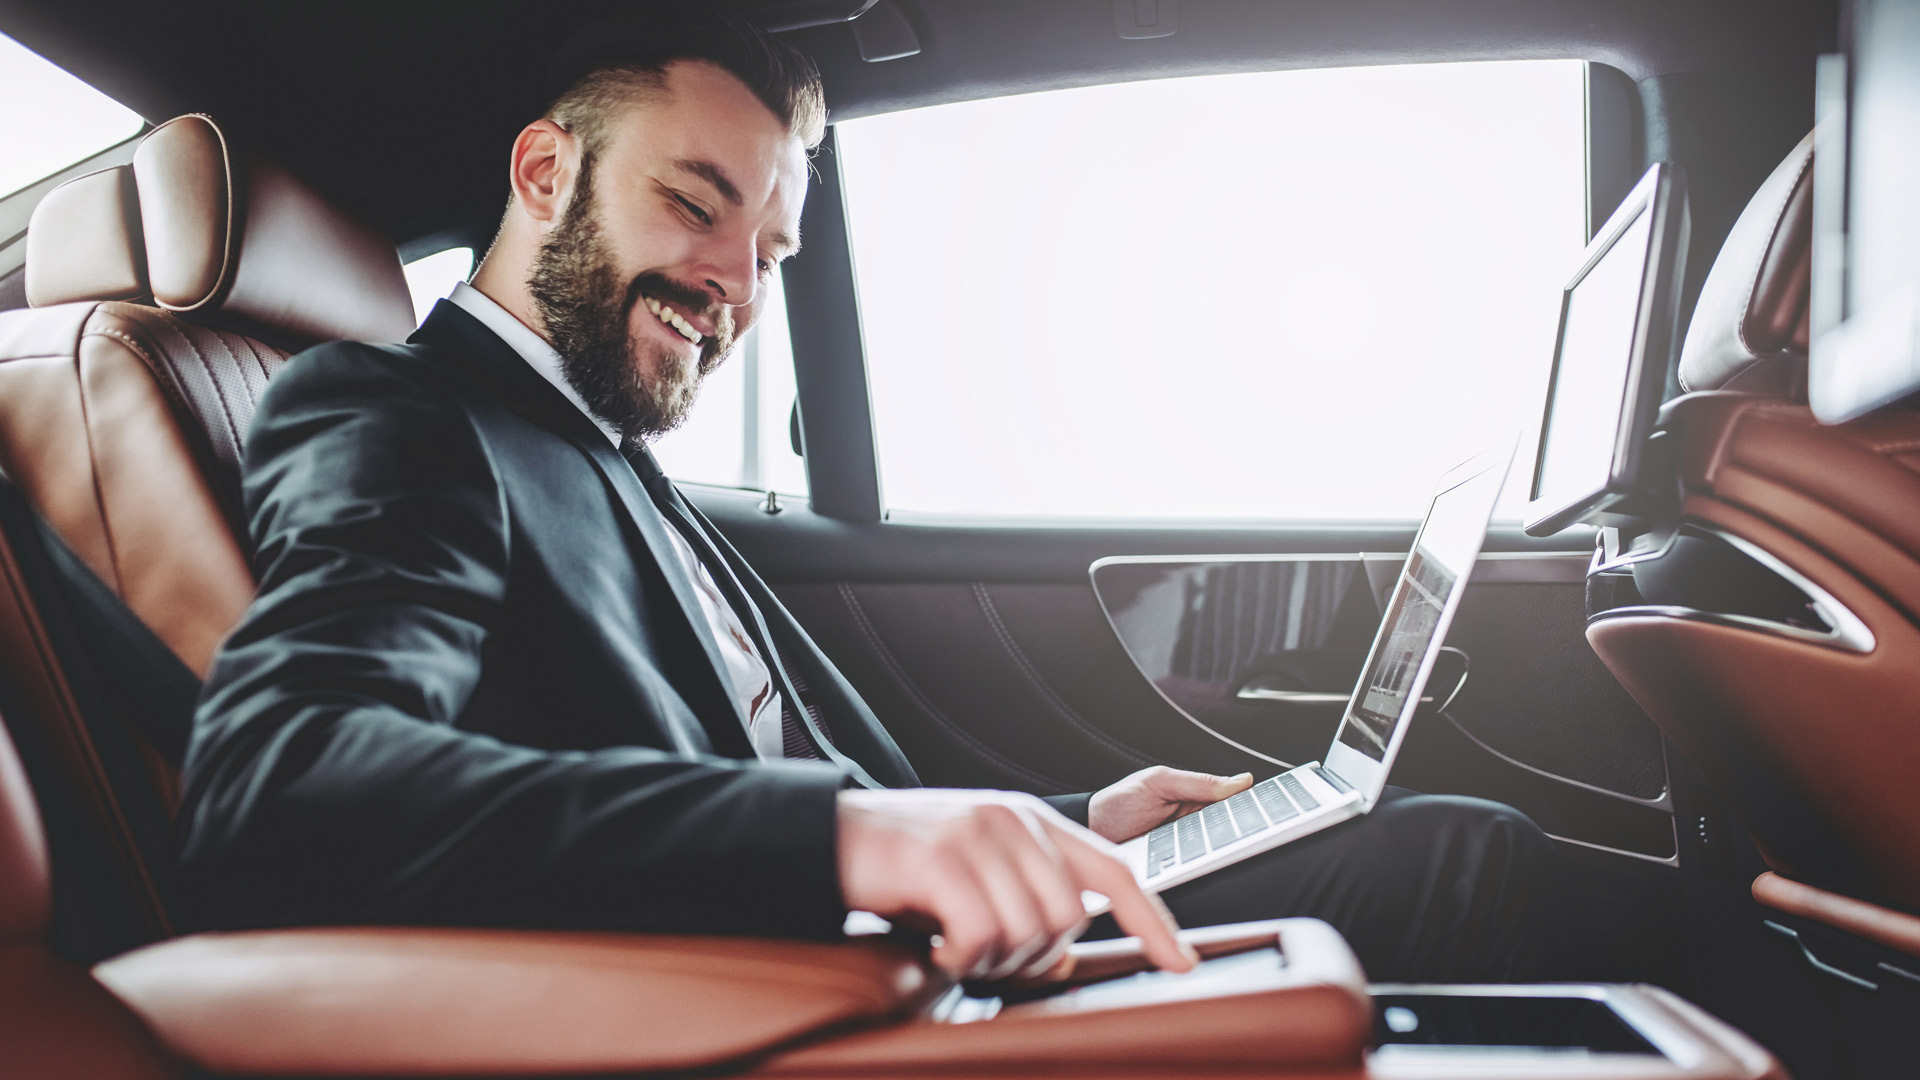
x: 1297, y: 1004
x: 426, y: 1002
x: 1894, y: 929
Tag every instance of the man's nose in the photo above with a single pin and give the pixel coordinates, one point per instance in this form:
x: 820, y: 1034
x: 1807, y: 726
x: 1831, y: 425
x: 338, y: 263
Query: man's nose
x: 733, y: 275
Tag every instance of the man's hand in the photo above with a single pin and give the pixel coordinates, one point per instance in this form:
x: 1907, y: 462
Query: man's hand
x: 997, y: 874
x: 1155, y: 796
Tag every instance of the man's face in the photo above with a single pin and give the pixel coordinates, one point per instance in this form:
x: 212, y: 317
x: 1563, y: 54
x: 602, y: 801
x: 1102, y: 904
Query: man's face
x: 661, y: 260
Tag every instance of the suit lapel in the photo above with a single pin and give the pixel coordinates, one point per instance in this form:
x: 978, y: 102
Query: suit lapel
x: 496, y: 366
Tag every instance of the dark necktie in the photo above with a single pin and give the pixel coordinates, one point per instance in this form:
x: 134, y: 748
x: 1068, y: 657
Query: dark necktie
x: 803, y: 730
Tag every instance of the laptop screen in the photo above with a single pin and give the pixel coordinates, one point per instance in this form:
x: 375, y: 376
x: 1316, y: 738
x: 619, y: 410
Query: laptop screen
x: 1443, y: 557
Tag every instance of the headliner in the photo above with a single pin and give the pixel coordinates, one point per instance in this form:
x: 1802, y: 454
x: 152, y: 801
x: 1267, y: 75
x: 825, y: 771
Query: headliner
x: 402, y: 110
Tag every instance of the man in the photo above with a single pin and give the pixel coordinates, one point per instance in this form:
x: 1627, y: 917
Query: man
x: 498, y: 672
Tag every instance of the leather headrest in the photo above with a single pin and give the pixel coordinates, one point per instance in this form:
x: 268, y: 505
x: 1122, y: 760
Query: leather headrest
x: 1754, y: 303
x: 247, y: 243
x: 83, y: 242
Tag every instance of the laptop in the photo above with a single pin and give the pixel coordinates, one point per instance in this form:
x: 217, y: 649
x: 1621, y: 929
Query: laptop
x: 1348, y: 782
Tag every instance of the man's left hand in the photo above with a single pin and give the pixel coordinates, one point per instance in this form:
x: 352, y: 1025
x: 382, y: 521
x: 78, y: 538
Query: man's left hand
x: 1153, y: 796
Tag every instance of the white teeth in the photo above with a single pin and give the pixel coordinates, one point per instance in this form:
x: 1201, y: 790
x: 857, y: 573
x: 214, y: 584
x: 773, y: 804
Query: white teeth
x: 673, y: 319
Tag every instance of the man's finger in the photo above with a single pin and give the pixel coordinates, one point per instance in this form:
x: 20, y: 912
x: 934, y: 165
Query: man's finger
x: 1139, y: 913
x: 969, y: 930
x: 1192, y: 787
x: 1000, y: 866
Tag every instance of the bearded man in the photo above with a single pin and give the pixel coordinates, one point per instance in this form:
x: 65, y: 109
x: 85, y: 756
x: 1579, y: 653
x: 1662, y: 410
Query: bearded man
x: 498, y: 672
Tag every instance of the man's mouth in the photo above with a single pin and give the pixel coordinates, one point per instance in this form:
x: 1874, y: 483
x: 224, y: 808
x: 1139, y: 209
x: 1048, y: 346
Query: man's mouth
x: 673, y: 320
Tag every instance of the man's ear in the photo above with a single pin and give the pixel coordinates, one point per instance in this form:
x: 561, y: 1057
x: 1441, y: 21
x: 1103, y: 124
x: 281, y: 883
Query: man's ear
x: 545, y: 163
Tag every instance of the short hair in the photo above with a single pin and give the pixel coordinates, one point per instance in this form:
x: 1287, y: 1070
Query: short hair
x: 619, y: 65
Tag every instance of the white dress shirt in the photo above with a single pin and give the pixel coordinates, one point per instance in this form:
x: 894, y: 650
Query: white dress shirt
x: 746, y: 670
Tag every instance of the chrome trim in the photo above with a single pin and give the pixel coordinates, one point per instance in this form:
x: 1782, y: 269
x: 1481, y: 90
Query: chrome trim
x: 1832, y: 639
x: 1663, y: 802
x: 1294, y: 697
x: 1849, y: 631
x: 1672, y: 860
x: 1818, y: 964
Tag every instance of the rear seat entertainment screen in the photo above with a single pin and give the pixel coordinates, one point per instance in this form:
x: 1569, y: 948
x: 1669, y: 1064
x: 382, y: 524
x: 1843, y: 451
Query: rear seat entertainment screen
x: 1590, y: 374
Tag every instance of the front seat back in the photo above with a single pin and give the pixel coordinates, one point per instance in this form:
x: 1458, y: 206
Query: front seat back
x: 1801, y: 717
x: 165, y: 294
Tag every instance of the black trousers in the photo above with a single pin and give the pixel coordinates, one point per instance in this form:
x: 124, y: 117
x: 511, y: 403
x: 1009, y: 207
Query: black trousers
x: 1426, y: 888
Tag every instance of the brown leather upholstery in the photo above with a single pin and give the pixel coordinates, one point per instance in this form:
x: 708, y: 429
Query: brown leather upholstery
x: 122, y: 425
x: 91, y: 402
x: 459, y: 1002
x: 55, y: 1023
x: 1308, y: 1012
x: 247, y: 240
x: 1815, y: 722
x: 84, y: 243
x: 1753, y: 308
x: 479, y: 1002
x: 1894, y: 929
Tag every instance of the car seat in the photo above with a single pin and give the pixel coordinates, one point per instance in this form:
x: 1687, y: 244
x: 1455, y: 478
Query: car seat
x: 164, y: 294
x: 1794, y: 693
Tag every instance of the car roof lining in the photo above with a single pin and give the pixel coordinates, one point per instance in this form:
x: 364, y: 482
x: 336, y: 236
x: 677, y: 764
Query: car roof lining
x: 399, y: 112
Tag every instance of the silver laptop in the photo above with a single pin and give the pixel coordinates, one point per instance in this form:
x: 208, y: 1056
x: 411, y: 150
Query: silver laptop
x: 1312, y: 797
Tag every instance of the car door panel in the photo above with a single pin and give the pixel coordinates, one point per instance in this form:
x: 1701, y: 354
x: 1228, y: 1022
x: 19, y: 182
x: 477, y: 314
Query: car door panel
x: 992, y: 660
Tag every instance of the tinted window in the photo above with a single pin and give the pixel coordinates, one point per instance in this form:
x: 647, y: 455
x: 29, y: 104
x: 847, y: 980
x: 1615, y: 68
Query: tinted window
x: 1278, y: 295
x: 49, y: 119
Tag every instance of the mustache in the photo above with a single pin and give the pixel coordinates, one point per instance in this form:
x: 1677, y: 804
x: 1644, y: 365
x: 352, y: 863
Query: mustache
x: 697, y: 302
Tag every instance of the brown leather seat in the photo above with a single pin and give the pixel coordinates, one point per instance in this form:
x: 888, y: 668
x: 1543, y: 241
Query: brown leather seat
x: 1806, y: 724
x: 164, y: 295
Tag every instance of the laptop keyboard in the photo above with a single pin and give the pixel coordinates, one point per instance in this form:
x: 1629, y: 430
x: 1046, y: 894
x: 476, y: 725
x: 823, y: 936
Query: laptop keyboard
x: 1259, y: 808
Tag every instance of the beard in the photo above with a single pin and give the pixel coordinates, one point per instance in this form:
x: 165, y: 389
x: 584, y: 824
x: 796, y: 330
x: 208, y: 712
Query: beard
x: 640, y: 388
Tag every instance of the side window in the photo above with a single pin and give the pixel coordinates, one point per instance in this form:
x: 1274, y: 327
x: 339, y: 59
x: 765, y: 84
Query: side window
x: 738, y: 433
x: 50, y: 120
x: 1284, y: 295
x: 432, y: 277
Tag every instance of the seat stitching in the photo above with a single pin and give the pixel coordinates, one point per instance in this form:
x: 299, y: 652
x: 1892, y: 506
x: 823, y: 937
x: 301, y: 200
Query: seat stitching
x: 926, y: 705
x: 226, y: 406
x: 1065, y: 711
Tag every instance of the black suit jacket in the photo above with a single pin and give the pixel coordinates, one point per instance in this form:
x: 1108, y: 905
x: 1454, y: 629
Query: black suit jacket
x: 475, y: 685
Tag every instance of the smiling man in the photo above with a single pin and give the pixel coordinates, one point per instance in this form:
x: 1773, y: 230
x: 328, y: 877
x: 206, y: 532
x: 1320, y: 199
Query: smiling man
x: 499, y: 672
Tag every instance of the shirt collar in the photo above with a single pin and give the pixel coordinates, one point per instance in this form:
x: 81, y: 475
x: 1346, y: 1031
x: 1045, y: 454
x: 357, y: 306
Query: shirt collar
x: 531, y: 346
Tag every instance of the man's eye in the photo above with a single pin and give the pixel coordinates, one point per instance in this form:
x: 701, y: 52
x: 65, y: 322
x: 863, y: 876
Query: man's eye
x: 694, y: 210
x: 765, y: 265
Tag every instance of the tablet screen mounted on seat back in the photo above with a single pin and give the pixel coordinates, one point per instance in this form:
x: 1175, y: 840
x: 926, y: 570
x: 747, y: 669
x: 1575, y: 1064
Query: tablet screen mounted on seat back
x: 1610, y: 361
x: 1418, y: 612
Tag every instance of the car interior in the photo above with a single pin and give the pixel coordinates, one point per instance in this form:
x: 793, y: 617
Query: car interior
x: 1704, y: 697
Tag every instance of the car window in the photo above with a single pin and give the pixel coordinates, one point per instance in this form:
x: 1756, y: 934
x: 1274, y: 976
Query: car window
x: 1285, y: 295
x: 49, y: 119
x: 738, y: 432
x: 433, y: 276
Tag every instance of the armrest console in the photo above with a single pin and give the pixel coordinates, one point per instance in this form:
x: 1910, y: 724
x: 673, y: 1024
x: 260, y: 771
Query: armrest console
x: 1285, y: 995
x: 427, y: 1002
x: 399, y: 1002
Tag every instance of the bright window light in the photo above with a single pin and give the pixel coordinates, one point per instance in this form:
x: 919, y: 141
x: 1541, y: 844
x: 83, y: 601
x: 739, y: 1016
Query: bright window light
x: 49, y: 119
x: 1290, y: 295
x: 434, y: 276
